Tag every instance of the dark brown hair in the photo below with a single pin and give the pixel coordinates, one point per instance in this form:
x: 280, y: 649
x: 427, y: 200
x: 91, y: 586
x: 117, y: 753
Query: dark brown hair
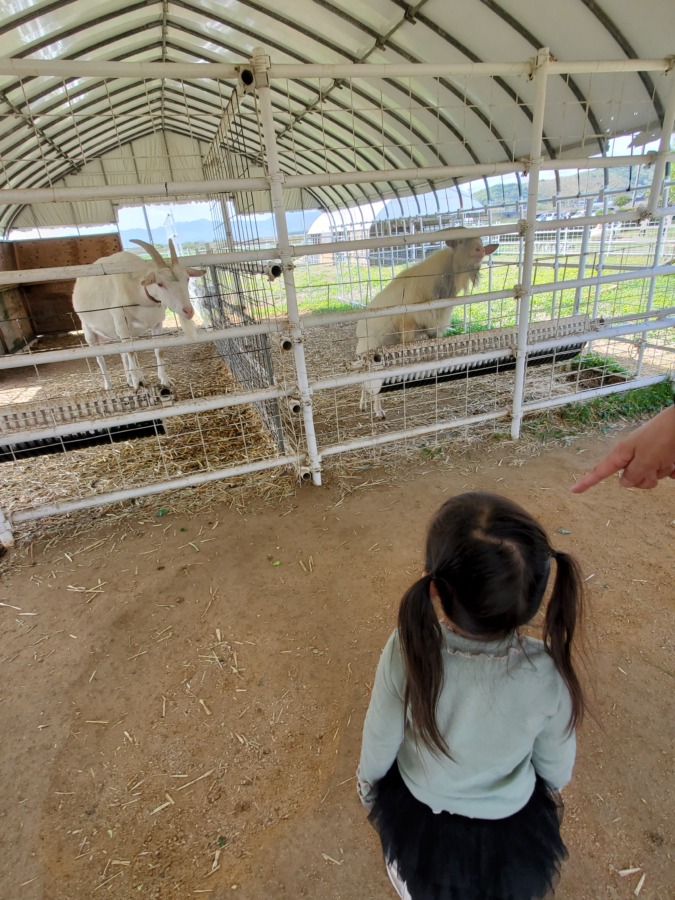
x: 489, y: 561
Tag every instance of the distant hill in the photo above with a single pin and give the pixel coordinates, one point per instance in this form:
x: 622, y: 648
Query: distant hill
x: 200, y: 231
x: 589, y: 181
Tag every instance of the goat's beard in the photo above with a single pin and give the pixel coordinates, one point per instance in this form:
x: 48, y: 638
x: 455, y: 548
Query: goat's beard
x: 188, y: 326
x: 474, y: 275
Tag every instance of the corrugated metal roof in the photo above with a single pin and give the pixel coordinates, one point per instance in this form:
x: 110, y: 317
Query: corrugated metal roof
x: 95, y: 130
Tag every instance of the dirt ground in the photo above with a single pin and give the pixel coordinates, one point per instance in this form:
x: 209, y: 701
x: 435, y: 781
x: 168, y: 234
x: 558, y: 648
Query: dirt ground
x: 182, y: 697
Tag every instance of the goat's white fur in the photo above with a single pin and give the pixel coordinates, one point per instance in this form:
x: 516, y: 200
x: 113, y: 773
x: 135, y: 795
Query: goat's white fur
x: 120, y: 307
x: 445, y: 273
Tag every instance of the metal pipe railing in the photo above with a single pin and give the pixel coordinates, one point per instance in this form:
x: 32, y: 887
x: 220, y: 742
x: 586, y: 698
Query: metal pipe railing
x: 523, y: 315
x: 60, y: 68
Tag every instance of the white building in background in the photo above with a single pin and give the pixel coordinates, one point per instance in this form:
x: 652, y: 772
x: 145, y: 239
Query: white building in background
x: 444, y: 208
x: 351, y: 223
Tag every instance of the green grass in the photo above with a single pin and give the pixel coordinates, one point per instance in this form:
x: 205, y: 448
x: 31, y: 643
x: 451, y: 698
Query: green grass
x: 457, y: 326
x: 597, y: 361
x: 601, y: 412
x: 343, y: 287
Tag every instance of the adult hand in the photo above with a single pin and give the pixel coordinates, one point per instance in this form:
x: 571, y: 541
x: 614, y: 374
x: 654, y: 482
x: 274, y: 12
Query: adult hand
x: 646, y: 455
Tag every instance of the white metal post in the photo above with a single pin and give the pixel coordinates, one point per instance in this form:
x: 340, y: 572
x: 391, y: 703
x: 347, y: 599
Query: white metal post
x: 663, y: 154
x: 260, y: 64
x: 539, y: 75
x: 489, y: 262
x: 601, y: 255
x: 660, y: 234
x: 583, y: 253
x: 556, y: 258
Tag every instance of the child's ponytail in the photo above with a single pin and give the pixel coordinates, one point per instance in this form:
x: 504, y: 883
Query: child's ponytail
x: 563, y: 616
x: 421, y: 641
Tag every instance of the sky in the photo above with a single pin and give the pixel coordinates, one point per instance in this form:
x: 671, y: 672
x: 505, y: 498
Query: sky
x: 132, y: 216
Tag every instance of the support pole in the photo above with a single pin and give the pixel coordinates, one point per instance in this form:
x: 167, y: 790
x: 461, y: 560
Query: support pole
x: 601, y: 256
x: 539, y: 75
x: 260, y: 63
x: 556, y: 258
x: 658, y: 246
x: 663, y: 154
x: 583, y: 253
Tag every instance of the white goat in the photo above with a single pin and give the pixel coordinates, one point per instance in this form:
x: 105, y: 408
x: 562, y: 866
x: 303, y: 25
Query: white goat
x: 123, y: 306
x: 445, y: 273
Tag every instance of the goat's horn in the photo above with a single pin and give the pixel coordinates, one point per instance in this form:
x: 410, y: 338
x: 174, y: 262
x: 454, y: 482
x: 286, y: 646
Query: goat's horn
x: 152, y: 250
x: 172, y: 251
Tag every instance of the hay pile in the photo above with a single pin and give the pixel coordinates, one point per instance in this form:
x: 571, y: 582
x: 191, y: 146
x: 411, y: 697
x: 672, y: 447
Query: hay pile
x: 192, y: 443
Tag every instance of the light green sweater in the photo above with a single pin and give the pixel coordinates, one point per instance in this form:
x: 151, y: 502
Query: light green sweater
x: 503, y: 711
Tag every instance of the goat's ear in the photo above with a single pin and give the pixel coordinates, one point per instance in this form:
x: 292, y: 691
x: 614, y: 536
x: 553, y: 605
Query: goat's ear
x: 454, y: 243
x: 150, y: 278
x: 490, y: 248
x: 196, y: 273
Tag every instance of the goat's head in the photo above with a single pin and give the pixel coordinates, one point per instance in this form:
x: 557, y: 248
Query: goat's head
x: 471, y: 251
x: 167, y: 282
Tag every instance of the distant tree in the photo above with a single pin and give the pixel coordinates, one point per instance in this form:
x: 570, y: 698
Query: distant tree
x: 622, y: 201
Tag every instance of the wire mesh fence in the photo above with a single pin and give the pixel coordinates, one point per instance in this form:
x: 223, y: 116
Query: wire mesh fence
x: 577, y: 299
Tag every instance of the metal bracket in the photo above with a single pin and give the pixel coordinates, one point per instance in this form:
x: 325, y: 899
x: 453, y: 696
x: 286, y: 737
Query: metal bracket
x: 527, y: 164
x: 260, y: 63
x: 543, y: 56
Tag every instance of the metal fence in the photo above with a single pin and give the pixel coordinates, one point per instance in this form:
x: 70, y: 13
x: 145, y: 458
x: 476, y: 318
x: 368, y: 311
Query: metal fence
x: 272, y: 381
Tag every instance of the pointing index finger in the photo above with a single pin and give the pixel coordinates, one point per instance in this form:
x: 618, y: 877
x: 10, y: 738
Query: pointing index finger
x: 612, y: 463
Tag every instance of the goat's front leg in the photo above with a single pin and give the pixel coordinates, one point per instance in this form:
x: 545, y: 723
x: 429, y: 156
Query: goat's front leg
x: 378, y: 410
x: 92, y: 339
x: 132, y: 368
x: 107, y: 383
x: 374, y: 396
x: 164, y: 379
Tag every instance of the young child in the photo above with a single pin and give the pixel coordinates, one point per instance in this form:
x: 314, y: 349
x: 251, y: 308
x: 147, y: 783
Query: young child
x: 470, y: 731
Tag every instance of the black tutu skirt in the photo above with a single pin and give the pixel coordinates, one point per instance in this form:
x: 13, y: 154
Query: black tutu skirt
x: 442, y: 856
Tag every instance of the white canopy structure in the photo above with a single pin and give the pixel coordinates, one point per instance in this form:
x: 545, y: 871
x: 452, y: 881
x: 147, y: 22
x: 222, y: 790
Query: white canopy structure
x: 109, y: 94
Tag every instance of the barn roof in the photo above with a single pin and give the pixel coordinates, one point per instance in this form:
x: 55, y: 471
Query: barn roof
x: 91, y: 130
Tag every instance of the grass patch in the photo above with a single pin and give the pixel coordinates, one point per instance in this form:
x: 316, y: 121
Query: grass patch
x: 459, y: 326
x: 601, y: 412
x: 596, y: 361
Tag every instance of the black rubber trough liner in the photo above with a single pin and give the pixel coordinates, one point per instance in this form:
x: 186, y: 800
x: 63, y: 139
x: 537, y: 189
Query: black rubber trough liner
x: 112, y: 435
x: 23, y: 418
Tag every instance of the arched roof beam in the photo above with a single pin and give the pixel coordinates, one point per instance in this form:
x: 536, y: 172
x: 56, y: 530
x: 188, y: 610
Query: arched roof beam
x: 382, y: 41
x: 345, y: 107
x: 335, y: 49
x: 38, y: 132
x: 627, y: 48
x: 199, y: 35
x: 536, y: 44
x: 86, y: 25
x: 31, y: 14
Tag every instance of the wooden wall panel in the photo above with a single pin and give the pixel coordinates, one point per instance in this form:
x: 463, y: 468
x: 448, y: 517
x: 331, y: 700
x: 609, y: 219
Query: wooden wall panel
x: 49, y: 304
x: 15, y: 326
